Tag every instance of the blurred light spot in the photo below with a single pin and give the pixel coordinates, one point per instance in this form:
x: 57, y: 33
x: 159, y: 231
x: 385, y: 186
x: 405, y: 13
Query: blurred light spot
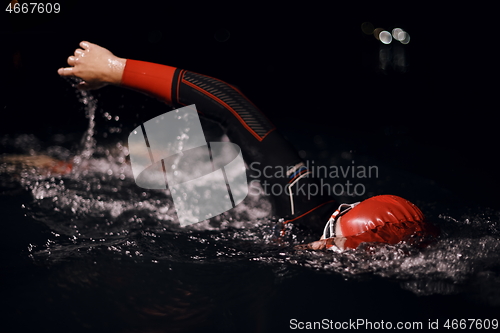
x: 396, y: 32
x: 377, y: 32
x: 367, y: 28
x: 385, y: 37
x: 222, y: 35
x: 404, y: 37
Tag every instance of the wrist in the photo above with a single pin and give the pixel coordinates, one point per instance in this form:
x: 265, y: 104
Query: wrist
x: 116, y: 67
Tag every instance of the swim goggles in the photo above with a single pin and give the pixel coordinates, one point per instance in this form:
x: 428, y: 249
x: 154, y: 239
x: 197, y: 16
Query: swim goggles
x: 329, y: 230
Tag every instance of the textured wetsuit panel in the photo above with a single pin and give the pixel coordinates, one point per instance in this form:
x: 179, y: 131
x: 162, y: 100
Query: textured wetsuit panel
x: 233, y: 100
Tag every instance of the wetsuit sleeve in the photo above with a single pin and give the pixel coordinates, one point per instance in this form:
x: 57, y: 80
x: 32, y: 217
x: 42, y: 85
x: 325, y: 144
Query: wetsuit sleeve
x: 180, y: 87
x: 152, y: 79
x: 263, y: 148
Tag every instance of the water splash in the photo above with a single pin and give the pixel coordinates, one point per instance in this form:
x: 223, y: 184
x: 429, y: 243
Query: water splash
x: 98, y: 210
x: 88, y: 142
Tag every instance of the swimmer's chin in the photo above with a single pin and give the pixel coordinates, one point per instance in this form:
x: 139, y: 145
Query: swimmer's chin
x: 334, y: 244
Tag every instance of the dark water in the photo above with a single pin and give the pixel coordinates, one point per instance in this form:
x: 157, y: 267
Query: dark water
x: 92, y: 252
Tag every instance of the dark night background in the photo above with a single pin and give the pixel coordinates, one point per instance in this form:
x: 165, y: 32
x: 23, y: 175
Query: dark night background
x: 303, y: 64
x: 310, y: 68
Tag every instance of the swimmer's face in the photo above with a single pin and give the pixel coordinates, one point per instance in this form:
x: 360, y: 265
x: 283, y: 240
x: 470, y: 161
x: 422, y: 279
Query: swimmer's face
x: 339, y: 237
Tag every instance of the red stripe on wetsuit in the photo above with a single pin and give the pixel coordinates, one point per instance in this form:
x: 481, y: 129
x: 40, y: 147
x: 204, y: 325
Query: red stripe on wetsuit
x: 153, y: 79
x: 164, y: 82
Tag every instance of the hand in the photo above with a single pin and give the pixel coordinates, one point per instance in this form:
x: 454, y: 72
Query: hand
x: 95, y: 65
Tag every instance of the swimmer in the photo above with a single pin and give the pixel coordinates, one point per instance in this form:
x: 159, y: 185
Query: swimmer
x: 384, y: 219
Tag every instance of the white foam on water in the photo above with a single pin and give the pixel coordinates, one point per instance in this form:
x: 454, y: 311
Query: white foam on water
x: 99, y: 206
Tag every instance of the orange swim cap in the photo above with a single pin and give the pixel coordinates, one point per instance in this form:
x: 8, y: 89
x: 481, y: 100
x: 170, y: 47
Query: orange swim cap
x: 385, y: 219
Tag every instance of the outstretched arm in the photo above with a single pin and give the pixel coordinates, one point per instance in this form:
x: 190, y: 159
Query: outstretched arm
x: 245, y: 124
x: 215, y: 99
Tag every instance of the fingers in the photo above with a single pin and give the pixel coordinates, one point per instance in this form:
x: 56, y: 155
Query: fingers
x: 71, y: 60
x: 77, y: 66
x: 85, y: 45
x: 67, y: 71
x: 79, y: 53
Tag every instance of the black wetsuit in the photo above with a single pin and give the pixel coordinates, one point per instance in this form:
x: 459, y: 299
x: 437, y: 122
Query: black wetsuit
x: 262, y: 146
